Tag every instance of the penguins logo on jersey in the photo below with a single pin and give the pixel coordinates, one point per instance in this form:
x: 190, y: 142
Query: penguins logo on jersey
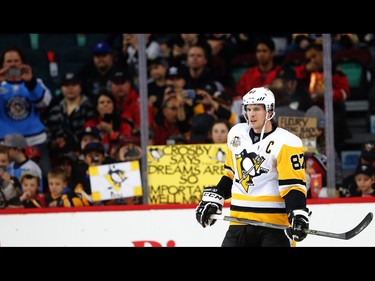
x: 249, y: 167
x: 18, y: 108
x: 236, y: 142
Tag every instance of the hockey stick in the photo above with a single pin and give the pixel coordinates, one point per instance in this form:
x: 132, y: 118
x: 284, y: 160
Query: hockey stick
x: 345, y: 236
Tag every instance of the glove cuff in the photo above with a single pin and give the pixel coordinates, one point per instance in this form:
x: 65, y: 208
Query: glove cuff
x: 300, y: 212
x: 211, y: 195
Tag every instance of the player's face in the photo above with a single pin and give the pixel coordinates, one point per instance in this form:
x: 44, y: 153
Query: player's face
x: 256, y: 114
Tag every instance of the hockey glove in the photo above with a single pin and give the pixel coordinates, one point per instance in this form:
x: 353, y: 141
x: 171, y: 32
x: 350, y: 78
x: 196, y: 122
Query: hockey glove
x: 299, y: 220
x: 212, y: 203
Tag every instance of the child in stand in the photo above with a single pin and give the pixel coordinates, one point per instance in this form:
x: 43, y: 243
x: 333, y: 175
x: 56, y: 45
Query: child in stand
x: 10, y: 187
x: 31, y: 197
x: 60, y: 194
x: 364, y: 177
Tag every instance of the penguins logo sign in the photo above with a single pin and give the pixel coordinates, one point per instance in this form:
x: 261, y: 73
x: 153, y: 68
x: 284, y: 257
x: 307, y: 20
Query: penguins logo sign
x: 249, y: 166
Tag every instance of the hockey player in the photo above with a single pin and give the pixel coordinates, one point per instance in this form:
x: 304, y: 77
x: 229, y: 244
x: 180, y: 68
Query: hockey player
x: 264, y: 177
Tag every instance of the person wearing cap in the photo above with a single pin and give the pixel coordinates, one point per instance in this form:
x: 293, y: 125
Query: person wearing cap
x: 16, y: 145
x: 127, y: 101
x: 94, y: 155
x: 364, y: 177
x: 23, y: 97
x: 349, y: 186
x: 155, y: 88
x: 90, y: 134
x: 96, y: 74
x: 286, y: 78
x: 316, y: 164
x: 129, y: 53
x: 65, y: 120
x: 284, y: 103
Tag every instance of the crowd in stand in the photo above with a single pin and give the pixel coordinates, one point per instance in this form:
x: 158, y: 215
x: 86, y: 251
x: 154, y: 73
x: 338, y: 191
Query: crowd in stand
x: 52, y: 132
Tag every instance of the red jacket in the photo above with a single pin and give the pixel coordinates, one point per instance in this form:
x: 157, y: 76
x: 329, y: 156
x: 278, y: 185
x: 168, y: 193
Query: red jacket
x: 253, y: 78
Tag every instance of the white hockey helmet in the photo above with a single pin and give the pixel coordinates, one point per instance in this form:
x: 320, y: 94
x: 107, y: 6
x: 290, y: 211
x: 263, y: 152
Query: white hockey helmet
x: 260, y: 95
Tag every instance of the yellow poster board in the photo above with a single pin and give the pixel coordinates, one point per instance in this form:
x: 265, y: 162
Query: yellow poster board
x: 177, y: 174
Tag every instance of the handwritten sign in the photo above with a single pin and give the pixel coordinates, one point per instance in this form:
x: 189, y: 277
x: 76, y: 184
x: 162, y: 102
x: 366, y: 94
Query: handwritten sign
x: 178, y: 173
x: 304, y: 127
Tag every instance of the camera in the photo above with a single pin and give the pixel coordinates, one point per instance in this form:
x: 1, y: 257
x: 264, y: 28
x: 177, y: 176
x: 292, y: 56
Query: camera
x: 131, y: 153
x: 190, y: 93
x: 13, y: 71
x: 107, y: 118
x: 170, y: 89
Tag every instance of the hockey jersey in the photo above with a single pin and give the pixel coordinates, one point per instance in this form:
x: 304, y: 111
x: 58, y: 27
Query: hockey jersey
x: 263, y: 172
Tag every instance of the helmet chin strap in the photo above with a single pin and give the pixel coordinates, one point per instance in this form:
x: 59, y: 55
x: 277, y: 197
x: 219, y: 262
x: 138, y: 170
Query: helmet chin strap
x: 264, y: 126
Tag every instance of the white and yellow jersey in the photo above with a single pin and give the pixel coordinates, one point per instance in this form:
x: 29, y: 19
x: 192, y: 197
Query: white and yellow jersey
x: 263, y: 172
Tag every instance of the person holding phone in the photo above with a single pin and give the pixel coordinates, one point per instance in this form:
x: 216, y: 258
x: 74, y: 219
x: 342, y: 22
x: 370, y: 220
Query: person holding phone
x: 22, y: 98
x: 108, y: 121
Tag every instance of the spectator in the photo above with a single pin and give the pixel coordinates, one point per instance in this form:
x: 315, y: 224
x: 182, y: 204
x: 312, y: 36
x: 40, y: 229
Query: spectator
x: 222, y: 48
x: 127, y: 102
x: 33, y: 153
x: 316, y: 164
x: 90, y: 134
x: 65, y: 119
x: 65, y: 163
x: 198, y: 74
x: 16, y: 144
x: 283, y: 103
x: 200, y: 127
x: 94, y: 155
x: 367, y: 157
x: 31, y: 197
x: 108, y: 121
x: 60, y: 194
x: 311, y: 76
x: 264, y: 72
x: 299, y: 97
x: 156, y: 87
x: 300, y: 41
x: 182, y: 44
x: 10, y: 187
x: 364, y: 177
x: 218, y: 132
x: 176, y: 86
x: 23, y: 99
x: 170, y: 120
x: 130, y: 53
x: 96, y: 74
x: 129, y: 150
x: 320, y: 134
